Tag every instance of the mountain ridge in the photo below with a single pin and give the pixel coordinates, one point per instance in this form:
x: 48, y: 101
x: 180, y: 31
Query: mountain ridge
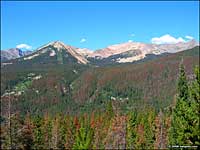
x: 13, y: 53
x: 123, y: 52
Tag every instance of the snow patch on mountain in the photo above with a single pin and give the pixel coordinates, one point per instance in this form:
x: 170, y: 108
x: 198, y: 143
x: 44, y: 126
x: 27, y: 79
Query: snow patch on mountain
x: 31, y: 57
x: 130, y: 59
x: 53, y: 53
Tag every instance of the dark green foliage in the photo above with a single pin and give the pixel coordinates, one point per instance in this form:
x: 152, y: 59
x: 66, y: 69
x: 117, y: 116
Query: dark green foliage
x: 141, y: 129
x: 194, y: 111
x: 149, y: 129
x: 38, y: 132
x: 185, y: 117
x: 131, y: 130
x: 109, y: 108
x: 182, y: 84
x: 179, y: 120
x: 84, y: 135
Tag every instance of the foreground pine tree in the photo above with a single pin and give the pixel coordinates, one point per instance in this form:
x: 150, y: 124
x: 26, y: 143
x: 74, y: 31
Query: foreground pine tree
x: 194, y: 112
x: 131, y: 130
x: 84, y: 135
x: 179, y: 120
x: 185, y: 117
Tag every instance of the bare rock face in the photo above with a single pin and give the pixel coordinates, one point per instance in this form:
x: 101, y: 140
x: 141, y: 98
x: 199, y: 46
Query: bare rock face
x: 84, y: 51
x: 140, y: 50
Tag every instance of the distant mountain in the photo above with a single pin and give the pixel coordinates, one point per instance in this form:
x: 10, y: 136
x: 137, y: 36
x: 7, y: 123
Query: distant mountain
x: 53, y: 53
x: 134, y: 51
x: 13, y: 53
x: 84, y: 51
x: 58, y: 52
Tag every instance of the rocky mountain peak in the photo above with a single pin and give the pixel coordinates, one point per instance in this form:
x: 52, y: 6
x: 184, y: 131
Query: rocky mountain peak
x: 58, y: 44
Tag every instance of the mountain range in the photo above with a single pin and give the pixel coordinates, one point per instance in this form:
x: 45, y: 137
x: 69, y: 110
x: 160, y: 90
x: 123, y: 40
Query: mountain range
x: 119, y: 53
x: 13, y: 53
x: 59, y: 78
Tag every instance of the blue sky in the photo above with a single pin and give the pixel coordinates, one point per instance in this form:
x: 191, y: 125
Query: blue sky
x: 96, y: 25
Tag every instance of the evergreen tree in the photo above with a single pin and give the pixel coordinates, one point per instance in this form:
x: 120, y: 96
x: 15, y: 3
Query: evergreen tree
x: 131, y: 130
x: 10, y: 135
x: 27, y: 134
x: 149, y: 128
x: 62, y: 132
x: 38, y: 132
x: 194, y: 111
x: 182, y: 85
x: 71, y: 132
x: 84, y: 136
x: 47, y: 131
x: 16, y: 127
x: 109, y: 108
x: 179, y: 122
x: 185, y: 117
x: 140, y: 134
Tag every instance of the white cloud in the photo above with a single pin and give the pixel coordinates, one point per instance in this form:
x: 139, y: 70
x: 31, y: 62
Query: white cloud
x: 82, y: 40
x: 25, y: 46
x: 189, y: 37
x: 167, y: 39
x: 130, y: 41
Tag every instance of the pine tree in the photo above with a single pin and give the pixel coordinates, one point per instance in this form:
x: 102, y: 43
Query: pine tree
x: 48, y: 125
x: 11, y: 133
x: 149, y: 128
x: 109, y: 108
x: 131, y: 130
x: 140, y: 133
x: 71, y: 132
x: 62, y: 132
x: 182, y: 85
x: 179, y: 122
x: 27, y: 134
x: 194, y: 111
x: 84, y: 136
x: 16, y: 131
x: 38, y: 132
x: 185, y: 117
